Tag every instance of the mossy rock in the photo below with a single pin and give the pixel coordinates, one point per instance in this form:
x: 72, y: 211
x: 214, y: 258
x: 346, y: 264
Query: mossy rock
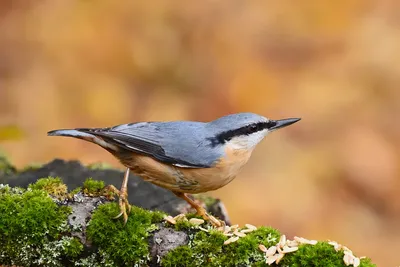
x: 36, y: 230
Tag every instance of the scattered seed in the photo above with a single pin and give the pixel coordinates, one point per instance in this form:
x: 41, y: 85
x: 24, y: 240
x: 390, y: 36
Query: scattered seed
x: 356, y: 262
x: 249, y: 226
x: 271, y: 259
x: 271, y: 251
x: 180, y: 217
x: 262, y: 248
x: 231, y: 240
x: 203, y: 229
x: 302, y: 240
x: 221, y: 229
x: 196, y: 221
x: 282, y: 241
x: 335, y: 245
x: 292, y: 243
x: 287, y: 249
x: 170, y: 219
x: 246, y: 231
x: 239, y: 234
x: 235, y: 226
x: 348, y: 259
x: 227, y: 229
x: 279, y: 258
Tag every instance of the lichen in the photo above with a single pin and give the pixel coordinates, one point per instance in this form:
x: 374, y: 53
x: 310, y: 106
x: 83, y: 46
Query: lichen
x: 123, y: 244
x: 93, y: 187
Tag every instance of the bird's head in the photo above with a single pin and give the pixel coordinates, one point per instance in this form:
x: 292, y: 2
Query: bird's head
x: 246, y: 130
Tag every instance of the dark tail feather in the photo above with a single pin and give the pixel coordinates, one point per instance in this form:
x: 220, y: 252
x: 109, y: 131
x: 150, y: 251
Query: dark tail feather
x: 84, y: 135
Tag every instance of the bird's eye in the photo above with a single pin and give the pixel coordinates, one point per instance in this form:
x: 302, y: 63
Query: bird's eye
x: 253, y: 127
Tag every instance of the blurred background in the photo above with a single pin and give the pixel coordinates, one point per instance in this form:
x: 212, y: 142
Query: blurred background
x: 336, y: 64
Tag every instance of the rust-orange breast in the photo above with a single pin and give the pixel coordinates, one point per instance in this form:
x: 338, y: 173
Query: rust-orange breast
x: 188, y: 180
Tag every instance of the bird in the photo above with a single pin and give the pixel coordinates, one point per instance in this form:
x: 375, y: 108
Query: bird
x: 185, y: 157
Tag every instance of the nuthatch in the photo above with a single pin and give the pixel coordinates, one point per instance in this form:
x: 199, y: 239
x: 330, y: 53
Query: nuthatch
x: 182, y: 156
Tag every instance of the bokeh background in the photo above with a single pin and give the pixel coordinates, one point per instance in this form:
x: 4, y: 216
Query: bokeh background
x: 334, y: 175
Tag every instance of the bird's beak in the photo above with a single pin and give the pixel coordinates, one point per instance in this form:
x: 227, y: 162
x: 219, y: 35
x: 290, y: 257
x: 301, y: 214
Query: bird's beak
x: 282, y: 123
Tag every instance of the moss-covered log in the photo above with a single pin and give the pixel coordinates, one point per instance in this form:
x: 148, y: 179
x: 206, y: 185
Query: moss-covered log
x: 47, y: 225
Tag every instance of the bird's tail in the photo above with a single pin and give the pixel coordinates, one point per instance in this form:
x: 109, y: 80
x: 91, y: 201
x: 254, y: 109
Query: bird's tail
x: 86, y: 135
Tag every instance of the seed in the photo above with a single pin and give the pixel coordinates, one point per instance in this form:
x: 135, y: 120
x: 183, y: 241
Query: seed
x: 287, y: 249
x: 271, y: 259
x: 348, y: 259
x: 247, y: 230
x: 239, y: 234
x: 231, y: 240
x: 235, y: 226
x: 196, y: 221
x: 278, y: 259
x: 262, y: 248
x: 180, y: 217
x: 292, y: 243
x: 170, y: 219
x: 203, y: 229
x: 356, y: 262
x: 282, y: 241
x: 271, y: 251
x: 302, y: 240
x: 249, y: 226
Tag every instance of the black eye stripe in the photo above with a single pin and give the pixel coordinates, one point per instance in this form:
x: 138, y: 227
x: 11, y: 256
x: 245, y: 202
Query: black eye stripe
x: 246, y: 130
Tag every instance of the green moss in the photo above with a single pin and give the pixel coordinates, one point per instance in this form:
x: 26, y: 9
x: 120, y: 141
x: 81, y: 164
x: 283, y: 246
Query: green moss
x: 321, y: 254
x: 53, y: 186
x: 181, y: 256
x: 30, y: 228
x: 123, y: 244
x: 100, y: 166
x: 75, y: 191
x: 207, y: 249
x: 93, y: 187
x: 183, y: 225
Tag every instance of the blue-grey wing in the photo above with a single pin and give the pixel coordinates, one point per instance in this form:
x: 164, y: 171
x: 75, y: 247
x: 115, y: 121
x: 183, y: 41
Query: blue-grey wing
x: 183, y: 144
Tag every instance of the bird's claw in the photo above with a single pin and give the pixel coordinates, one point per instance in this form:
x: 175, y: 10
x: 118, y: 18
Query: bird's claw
x: 124, y: 207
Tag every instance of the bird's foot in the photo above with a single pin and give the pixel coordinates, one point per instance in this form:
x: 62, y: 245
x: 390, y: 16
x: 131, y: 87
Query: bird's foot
x: 208, y: 217
x: 123, y: 202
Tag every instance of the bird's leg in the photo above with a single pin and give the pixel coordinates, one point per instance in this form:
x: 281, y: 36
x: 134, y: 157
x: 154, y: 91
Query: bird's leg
x: 200, y: 210
x: 124, y: 206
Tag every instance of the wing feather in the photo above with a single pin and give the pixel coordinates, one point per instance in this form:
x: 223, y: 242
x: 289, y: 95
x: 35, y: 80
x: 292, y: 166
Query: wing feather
x: 167, y: 142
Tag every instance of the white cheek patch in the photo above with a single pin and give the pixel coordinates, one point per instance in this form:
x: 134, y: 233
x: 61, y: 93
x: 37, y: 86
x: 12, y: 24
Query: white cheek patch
x: 247, y: 142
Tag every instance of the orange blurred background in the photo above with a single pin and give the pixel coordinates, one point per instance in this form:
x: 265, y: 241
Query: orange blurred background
x: 336, y: 64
